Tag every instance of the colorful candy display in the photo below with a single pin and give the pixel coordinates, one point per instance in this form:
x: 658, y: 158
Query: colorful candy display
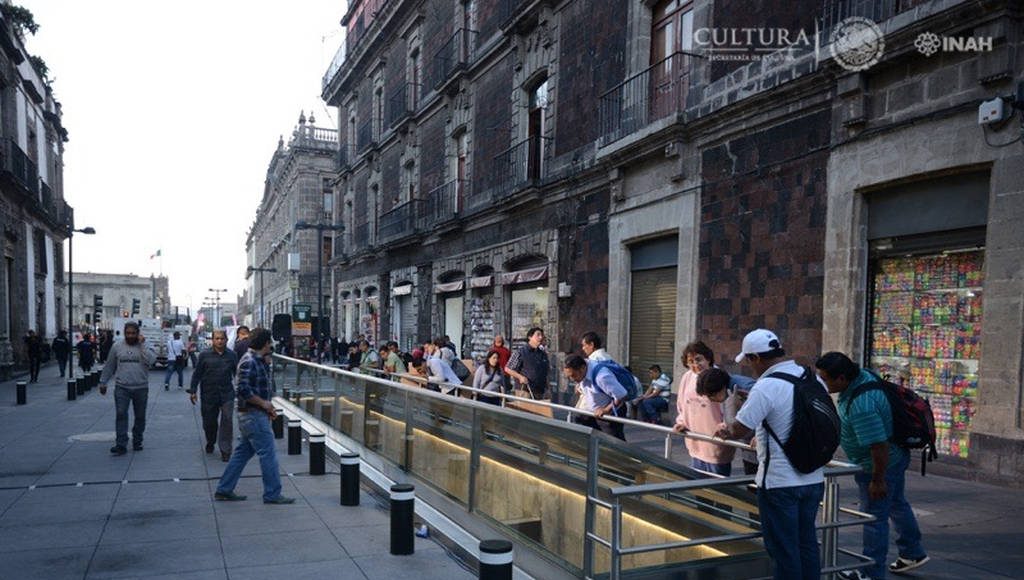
x: 927, y: 331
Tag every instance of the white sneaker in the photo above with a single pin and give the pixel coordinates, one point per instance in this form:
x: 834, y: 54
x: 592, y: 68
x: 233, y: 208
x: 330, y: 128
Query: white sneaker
x: 853, y: 575
x: 903, y: 565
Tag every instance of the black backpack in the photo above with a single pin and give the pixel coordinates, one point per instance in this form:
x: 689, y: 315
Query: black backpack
x: 814, y: 437
x: 913, y: 424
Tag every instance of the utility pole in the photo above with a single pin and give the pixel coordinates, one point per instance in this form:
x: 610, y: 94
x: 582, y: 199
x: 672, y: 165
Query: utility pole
x: 263, y: 304
x: 318, y: 332
x: 216, y: 310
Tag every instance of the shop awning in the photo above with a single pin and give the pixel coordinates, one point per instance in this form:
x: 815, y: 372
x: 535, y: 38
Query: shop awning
x: 524, y: 276
x: 403, y: 290
x: 481, y: 281
x: 449, y: 287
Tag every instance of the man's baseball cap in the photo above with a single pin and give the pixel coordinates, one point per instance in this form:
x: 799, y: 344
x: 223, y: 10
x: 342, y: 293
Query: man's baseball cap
x: 758, y: 341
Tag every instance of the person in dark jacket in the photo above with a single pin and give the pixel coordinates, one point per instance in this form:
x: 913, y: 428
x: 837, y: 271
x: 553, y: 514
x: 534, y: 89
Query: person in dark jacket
x: 214, y: 377
x: 34, y: 348
x: 106, y: 342
x: 242, y: 341
x: 61, y: 350
x: 86, y: 352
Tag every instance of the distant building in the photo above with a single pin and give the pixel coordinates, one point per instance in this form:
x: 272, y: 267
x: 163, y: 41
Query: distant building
x: 298, y: 189
x: 118, y: 291
x: 33, y: 214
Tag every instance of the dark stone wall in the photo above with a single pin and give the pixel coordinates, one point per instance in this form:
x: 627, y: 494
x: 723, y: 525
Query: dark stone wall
x: 762, y: 236
x: 591, y: 60
x: 431, y: 157
x: 491, y: 124
x: 583, y: 263
x: 792, y: 15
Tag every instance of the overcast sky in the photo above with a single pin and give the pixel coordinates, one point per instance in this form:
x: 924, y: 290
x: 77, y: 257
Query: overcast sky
x: 173, y: 110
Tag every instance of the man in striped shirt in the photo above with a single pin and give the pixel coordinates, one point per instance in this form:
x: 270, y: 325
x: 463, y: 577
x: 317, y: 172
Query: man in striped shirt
x: 867, y: 428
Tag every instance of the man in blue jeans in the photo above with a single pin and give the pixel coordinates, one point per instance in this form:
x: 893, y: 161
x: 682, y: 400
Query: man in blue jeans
x: 787, y: 498
x: 867, y: 426
x: 254, y: 391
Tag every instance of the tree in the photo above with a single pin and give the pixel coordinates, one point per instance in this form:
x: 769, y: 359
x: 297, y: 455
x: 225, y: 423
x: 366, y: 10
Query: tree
x: 20, y: 17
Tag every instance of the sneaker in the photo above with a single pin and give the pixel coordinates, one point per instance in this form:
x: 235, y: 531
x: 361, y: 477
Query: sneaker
x: 853, y: 575
x: 209, y: 447
x: 137, y: 446
x: 280, y: 500
x: 225, y: 456
x: 118, y: 450
x: 228, y: 496
x: 903, y: 565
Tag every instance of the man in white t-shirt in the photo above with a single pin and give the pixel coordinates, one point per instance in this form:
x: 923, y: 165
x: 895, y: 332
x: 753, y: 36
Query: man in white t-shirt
x: 176, y: 360
x: 787, y: 499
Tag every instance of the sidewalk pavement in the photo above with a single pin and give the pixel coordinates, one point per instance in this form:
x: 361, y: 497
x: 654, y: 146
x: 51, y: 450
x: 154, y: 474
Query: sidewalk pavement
x: 969, y: 529
x: 163, y: 523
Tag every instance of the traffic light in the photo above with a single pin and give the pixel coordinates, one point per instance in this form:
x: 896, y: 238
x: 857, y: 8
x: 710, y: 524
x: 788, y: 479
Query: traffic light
x: 135, y: 306
x: 97, y: 308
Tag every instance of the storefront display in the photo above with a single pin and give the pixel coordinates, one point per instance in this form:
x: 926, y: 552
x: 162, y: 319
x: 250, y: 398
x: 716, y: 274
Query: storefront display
x: 926, y: 332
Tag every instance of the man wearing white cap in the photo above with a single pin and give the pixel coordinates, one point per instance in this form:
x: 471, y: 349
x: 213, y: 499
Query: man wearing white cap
x: 787, y: 499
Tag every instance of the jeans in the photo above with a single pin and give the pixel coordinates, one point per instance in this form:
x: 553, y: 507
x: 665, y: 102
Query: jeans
x: 33, y: 368
x: 652, y: 408
x: 787, y: 522
x: 62, y: 363
x: 172, y: 368
x: 218, y: 422
x: 893, y: 506
x: 256, y: 438
x: 716, y: 468
x: 137, y: 398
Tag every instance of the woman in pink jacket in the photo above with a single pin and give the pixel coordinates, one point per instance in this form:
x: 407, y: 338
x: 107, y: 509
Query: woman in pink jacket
x: 700, y: 414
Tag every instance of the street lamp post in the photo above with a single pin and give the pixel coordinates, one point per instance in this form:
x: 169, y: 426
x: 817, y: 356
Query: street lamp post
x: 319, y: 270
x: 71, y: 289
x: 263, y: 304
x: 216, y: 310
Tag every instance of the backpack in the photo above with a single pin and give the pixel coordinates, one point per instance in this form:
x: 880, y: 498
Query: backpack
x: 460, y: 369
x: 406, y: 358
x: 814, y: 437
x: 624, y: 377
x: 913, y: 424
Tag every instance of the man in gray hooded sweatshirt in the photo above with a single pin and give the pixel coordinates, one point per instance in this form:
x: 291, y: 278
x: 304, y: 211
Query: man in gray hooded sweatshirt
x: 128, y: 364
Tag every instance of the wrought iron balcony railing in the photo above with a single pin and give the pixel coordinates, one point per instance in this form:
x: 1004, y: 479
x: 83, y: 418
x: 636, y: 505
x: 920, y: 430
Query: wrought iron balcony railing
x: 522, y: 165
x: 657, y: 92
x: 403, y: 103
x: 442, y: 204
x: 454, y: 56
x: 398, y: 222
x: 22, y: 169
x: 365, y: 136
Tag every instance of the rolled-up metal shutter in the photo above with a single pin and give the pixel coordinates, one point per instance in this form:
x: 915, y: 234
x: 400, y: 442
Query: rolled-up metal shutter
x: 407, y: 323
x: 652, y: 319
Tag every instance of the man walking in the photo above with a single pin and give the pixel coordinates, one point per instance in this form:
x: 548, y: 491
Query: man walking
x: 214, y: 375
x: 787, y: 499
x: 34, y: 348
x: 175, y: 360
x: 866, y: 429
x: 61, y: 349
x: 242, y: 341
x: 255, y: 412
x: 129, y: 365
x: 529, y: 365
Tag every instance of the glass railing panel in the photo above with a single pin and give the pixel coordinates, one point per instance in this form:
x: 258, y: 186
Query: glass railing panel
x: 677, y: 516
x: 385, y: 430
x: 533, y: 480
x: 439, y: 448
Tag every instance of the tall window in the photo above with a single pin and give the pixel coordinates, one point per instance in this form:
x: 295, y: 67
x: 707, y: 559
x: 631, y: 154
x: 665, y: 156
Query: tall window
x: 672, y: 29
x: 536, y: 127
x: 328, y: 197
x: 461, y: 168
x: 409, y: 176
x: 414, y: 78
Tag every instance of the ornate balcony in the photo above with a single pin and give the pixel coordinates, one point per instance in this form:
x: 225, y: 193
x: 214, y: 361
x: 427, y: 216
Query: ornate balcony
x: 399, y: 222
x: 454, y: 56
x: 443, y: 204
x: 521, y: 166
x: 403, y: 103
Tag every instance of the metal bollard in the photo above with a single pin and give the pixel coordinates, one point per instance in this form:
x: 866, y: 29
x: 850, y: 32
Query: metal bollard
x: 495, y: 560
x: 22, y: 392
x: 286, y: 393
x: 403, y: 501
x: 349, y: 478
x: 294, y: 437
x: 72, y: 390
x: 80, y: 386
x: 317, y: 453
x: 278, y: 424
x: 93, y: 376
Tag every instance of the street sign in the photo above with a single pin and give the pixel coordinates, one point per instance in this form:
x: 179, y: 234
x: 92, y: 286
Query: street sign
x: 302, y: 320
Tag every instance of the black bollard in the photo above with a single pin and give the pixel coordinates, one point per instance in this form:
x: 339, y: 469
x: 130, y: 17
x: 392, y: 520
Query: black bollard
x: 317, y: 454
x: 349, y: 478
x: 72, y: 390
x: 91, y: 382
x: 495, y: 560
x: 286, y: 393
x: 95, y: 379
x: 294, y: 437
x: 22, y: 392
x: 403, y: 501
x: 80, y: 385
x: 278, y: 424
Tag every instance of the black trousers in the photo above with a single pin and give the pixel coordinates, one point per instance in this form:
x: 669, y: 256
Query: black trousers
x: 33, y: 368
x: 62, y: 362
x: 612, y: 428
x: 218, y: 422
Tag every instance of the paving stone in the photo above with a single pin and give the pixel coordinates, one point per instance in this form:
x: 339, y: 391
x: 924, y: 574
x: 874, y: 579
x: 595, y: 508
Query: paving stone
x: 279, y: 548
x: 345, y: 568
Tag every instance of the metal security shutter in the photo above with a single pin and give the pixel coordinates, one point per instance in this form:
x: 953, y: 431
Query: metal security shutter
x: 407, y: 323
x: 652, y: 319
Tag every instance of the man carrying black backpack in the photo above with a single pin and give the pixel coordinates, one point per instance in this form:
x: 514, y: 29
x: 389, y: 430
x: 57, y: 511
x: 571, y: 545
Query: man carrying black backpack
x: 866, y: 437
x: 787, y: 495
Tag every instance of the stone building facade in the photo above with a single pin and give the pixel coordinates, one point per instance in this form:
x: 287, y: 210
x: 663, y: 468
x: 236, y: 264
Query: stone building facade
x: 632, y: 168
x: 118, y: 292
x: 298, y: 189
x: 33, y: 213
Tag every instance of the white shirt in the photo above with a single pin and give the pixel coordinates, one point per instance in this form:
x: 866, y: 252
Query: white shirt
x: 440, y: 370
x: 599, y: 355
x: 175, y: 347
x: 606, y: 389
x: 772, y: 400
